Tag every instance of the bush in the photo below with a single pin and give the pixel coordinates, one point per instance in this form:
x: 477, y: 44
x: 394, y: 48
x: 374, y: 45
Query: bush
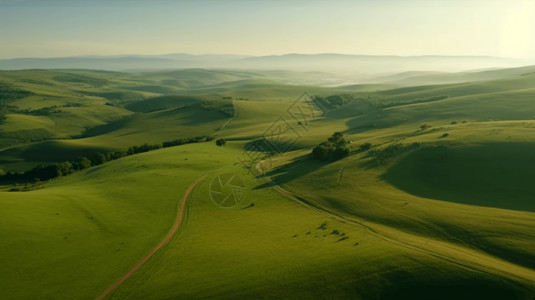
x: 424, y: 126
x: 82, y: 163
x: 65, y: 168
x: 98, y: 159
x: 221, y: 142
x: 383, y: 155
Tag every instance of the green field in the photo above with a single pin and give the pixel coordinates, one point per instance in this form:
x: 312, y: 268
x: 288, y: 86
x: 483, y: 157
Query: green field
x: 434, y: 201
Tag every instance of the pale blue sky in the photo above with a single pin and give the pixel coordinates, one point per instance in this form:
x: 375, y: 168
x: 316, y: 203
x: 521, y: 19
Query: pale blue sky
x: 41, y: 28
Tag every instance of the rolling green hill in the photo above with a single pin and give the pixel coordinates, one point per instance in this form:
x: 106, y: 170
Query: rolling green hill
x: 113, y: 110
x: 434, y: 201
x: 284, y: 249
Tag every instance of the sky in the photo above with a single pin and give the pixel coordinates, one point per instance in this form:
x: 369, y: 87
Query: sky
x: 58, y: 28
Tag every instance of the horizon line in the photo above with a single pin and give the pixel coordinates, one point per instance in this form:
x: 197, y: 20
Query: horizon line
x: 257, y: 56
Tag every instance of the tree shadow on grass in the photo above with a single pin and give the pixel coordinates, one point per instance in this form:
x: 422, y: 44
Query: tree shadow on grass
x: 298, y: 168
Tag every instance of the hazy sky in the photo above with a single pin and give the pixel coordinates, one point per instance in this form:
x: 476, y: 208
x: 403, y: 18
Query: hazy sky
x: 42, y: 28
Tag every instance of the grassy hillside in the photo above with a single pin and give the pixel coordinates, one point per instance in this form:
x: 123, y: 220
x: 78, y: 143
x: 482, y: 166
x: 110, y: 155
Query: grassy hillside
x: 490, y: 174
x: 421, y: 78
x: 102, y: 226
x: 438, y: 205
x: 417, y: 187
x: 405, y: 94
x: 117, y: 110
x: 92, y: 225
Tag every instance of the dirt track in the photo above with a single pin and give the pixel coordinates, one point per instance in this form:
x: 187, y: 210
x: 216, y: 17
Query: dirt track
x: 167, y: 238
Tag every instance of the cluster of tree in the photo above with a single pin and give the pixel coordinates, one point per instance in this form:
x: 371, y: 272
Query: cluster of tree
x: 384, y: 154
x: 333, y: 149
x: 46, y: 172
x: 335, y: 101
x: 47, y: 110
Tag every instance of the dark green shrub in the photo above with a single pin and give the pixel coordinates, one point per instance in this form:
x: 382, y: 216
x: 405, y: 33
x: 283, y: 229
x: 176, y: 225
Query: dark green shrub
x: 333, y: 149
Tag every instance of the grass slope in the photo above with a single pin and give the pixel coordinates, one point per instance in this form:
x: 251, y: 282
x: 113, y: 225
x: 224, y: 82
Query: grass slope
x: 448, y: 217
x: 403, y: 192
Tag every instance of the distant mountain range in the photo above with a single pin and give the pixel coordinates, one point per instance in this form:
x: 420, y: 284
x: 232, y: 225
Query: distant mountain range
x: 339, y: 63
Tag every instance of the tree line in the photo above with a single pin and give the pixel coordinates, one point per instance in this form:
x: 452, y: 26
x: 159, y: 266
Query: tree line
x: 47, y: 172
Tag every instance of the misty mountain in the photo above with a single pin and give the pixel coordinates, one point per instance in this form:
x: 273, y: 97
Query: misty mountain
x: 334, y: 63
x: 119, y: 63
x: 371, y: 64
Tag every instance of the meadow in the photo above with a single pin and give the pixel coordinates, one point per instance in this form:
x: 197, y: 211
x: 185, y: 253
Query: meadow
x: 433, y: 199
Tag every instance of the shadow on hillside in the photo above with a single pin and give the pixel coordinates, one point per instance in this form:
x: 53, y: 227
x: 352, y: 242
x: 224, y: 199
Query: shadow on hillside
x: 193, y: 115
x: 299, y: 167
x: 457, y: 289
x: 496, y: 175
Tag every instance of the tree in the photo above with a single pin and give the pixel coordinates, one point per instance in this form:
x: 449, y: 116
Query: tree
x: 99, y: 159
x: 321, y: 152
x: 337, y: 138
x: 65, y: 168
x: 221, y: 142
x: 82, y: 163
x: 42, y: 172
x: 340, y: 152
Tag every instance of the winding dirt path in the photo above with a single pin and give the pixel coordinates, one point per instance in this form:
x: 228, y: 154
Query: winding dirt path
x: 174, y: 229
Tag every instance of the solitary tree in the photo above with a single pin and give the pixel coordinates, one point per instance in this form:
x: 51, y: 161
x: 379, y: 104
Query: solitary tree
x: 221, y: 142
